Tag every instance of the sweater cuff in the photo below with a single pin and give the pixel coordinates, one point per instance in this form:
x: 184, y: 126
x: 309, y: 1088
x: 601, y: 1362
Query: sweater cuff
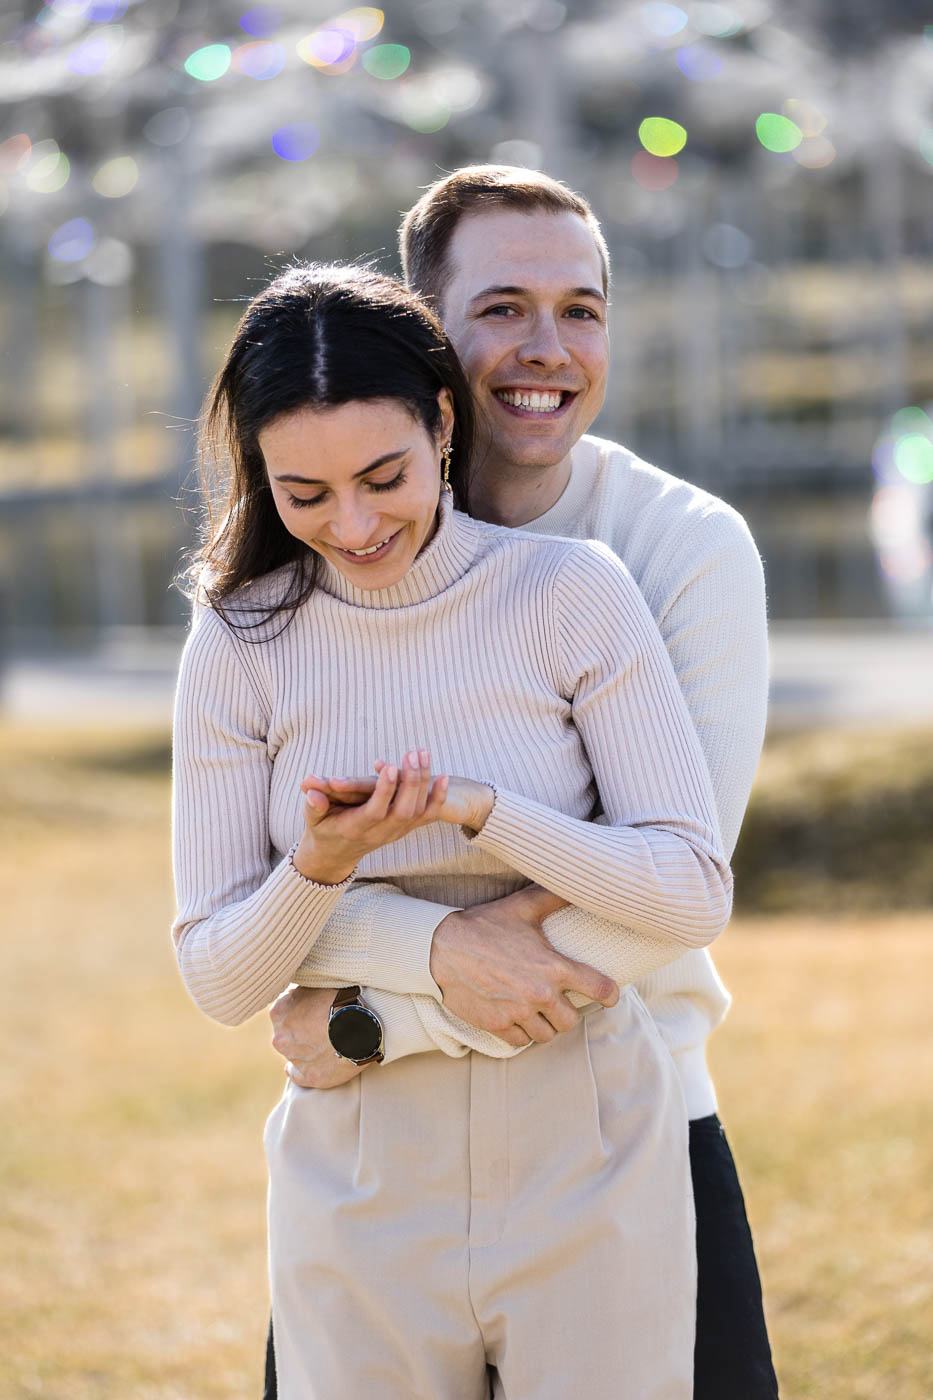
x: 403, y: 1031
x: 406, y: 935
x: 316, y: 884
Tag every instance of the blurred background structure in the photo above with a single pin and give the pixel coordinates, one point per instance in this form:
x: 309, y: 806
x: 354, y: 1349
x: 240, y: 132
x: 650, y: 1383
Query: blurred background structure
x: 763, y: 172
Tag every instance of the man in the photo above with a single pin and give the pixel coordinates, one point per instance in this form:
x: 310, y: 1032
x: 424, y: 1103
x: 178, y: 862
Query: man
x: 517, y: 268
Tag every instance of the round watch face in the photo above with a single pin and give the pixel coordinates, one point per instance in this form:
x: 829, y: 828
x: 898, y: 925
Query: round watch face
x: 355, y: 1033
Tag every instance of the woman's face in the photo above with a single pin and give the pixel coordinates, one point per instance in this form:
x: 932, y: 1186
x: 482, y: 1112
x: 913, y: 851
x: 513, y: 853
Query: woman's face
x: 358, y: 484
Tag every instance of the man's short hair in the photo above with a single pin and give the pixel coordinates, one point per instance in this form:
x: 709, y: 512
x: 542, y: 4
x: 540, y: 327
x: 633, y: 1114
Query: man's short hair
x: 428, y: 227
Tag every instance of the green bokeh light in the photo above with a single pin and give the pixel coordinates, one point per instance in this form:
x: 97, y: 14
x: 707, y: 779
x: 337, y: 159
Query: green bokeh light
x: 777, y: 133
x: 387, y: 60
x: 208, y: 64
x: 911, y: 420
x: 662, y: 137
x: 913, y: 457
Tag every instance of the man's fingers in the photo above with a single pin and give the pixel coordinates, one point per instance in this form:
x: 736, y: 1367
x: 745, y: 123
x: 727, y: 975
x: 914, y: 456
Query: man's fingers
x: 538, y: 1029
x: 539, y: 903
x: 590, y: 983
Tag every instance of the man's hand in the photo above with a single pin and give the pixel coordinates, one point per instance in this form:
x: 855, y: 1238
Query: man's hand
x: 299, y: 1021
x: 497, y: 970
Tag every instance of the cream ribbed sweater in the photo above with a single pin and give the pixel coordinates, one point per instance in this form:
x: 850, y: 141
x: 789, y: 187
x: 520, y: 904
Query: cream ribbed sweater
x: 699, y: 572
x: 526, y: 661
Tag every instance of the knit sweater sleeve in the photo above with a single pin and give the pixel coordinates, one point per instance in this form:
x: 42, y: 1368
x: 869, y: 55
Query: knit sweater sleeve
x: 245, y: 918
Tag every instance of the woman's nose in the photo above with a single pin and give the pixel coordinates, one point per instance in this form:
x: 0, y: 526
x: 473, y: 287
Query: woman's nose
x: 353, y: 525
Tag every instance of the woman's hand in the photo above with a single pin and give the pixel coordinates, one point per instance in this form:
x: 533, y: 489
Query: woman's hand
x: 346, y: 818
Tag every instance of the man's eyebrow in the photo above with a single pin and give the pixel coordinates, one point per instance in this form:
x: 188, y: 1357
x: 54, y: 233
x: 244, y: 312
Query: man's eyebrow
x: 314, y: 481
x: 593, y: 292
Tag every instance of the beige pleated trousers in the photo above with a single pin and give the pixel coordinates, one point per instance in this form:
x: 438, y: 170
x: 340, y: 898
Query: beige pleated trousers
x: 436, y: 1216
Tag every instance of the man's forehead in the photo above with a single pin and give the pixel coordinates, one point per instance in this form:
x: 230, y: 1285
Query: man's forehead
x: 536, y: 249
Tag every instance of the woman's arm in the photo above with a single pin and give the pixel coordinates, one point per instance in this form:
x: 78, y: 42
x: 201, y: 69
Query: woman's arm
x: 657, y: 867
x: 245, y: 920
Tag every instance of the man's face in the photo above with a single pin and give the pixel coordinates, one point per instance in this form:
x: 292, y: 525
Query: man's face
x: 525, y: 310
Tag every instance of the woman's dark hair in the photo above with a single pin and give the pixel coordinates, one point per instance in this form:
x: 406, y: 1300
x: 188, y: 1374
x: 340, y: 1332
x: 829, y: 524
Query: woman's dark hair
x: 317, y: 337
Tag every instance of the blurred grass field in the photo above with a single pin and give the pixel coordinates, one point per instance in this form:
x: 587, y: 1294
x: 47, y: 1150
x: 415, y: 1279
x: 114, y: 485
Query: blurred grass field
x: 131, y: 1248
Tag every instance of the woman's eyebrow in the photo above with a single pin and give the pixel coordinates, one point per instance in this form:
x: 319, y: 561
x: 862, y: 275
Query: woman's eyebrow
x: 315, y: 481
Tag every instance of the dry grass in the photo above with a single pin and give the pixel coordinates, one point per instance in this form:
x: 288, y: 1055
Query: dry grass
x: 131, y: 1248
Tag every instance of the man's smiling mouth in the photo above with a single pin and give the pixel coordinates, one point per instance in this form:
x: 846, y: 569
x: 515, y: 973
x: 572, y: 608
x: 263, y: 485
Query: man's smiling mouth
x: 534, y: 400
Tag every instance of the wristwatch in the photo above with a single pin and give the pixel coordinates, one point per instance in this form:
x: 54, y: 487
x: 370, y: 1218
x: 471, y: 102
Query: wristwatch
x: 354, y: 1030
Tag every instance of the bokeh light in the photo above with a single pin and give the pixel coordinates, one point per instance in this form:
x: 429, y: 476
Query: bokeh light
x: 662, y: 137
x: 259, y: 60
x: 727, y: 246
x: 387, y: 61
x: 913, y: 457
x: 699, y: 63
x: 110, y: 263
x: 809, y: 118
x: 364, y: 22
x: 168, y: 127
x: 208, y: 63
x: 777, y: 133
x: 49, y: 168
x: 106, y: 11
x: 904, y: 451
x: 261, y: 21
x: 718, y: 21
x: 815, y: 153
x: 296, y: 141
x: 71, y: 241
x: 94, y: 53
x: 897, y: 528
x: 329, y: 50
x: 15, y: 153
x: 116, y: 177
x: 663, y: 20
x: 654, y: 172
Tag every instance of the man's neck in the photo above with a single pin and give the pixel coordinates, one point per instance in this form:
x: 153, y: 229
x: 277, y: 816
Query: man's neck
x: 504, y: 494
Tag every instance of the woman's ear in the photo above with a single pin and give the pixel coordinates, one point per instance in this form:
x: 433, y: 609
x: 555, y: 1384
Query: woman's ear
x: 446, y: 405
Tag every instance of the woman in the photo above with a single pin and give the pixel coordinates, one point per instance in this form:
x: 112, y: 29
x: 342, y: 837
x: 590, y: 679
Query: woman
x: 433, y: 1215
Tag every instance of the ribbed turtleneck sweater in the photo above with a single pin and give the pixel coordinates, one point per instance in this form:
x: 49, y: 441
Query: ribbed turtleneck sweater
x: 699, y: 572
x: 525, y: 661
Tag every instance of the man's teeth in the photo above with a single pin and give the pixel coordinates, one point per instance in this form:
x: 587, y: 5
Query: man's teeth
x: 371, y: 550
x: 538, y: 403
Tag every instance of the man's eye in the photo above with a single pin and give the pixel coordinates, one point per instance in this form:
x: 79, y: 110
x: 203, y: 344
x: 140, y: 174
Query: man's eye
x: 582, y: 313
x: 500, y: 311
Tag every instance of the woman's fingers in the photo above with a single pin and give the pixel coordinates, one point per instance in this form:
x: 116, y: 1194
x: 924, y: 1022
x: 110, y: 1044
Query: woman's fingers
x: 414, y: 786
x: 317, y: 806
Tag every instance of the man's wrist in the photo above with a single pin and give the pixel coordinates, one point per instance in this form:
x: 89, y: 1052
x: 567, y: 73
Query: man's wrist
x: 444, y: 934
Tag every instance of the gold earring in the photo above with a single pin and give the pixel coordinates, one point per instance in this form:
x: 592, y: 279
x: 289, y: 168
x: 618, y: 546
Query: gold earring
x: 446, y: 454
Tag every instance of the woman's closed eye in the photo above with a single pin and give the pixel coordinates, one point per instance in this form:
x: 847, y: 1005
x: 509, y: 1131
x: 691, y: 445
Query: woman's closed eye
x: 301, y: 501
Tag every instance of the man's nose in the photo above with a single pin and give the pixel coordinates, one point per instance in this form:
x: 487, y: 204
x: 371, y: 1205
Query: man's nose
x: 544, y: 345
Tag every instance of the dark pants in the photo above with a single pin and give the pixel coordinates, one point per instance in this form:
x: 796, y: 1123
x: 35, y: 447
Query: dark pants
x: 733, y: 1356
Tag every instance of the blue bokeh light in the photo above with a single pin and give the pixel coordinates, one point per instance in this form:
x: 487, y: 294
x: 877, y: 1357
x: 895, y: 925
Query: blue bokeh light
x: 71, y: 241
x: 296, y: 141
